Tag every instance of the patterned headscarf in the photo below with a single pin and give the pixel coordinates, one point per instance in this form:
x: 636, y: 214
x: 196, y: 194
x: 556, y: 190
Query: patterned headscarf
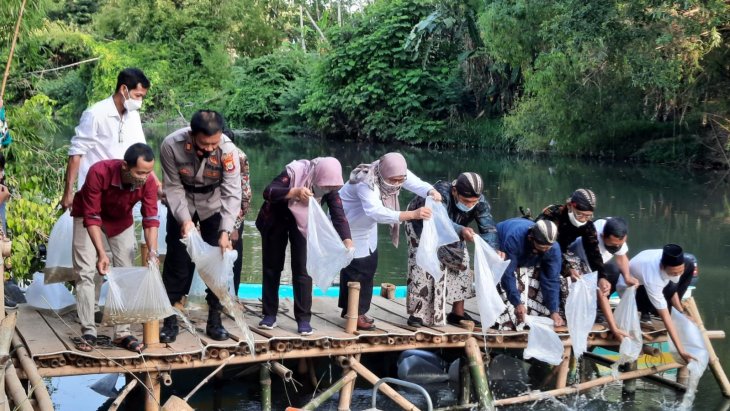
x: 388, y: 166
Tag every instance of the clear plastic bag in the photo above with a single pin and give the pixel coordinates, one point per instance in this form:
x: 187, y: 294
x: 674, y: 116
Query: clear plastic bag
x: 543, y: 342
x: 216, y: 271
x: 693, y: 342
x: 48, y: 296
x: 59, y: 265
x: 580, y: 311
x: 488, y: 271
x: 136, y: 295
x: 627, y: 319
x: 326, y: 255
x: 162, y: 231
x: 437, y: 231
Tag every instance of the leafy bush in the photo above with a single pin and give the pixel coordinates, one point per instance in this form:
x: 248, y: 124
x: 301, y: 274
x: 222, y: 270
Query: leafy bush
x: 369, y: 85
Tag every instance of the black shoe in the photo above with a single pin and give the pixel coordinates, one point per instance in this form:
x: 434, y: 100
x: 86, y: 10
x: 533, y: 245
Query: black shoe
x: 170, y: 329
x: 215, y: 329
x: 415, y: 322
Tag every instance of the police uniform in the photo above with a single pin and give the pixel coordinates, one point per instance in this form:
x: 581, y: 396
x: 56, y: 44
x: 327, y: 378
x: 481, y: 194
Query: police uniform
x: 204, y: 190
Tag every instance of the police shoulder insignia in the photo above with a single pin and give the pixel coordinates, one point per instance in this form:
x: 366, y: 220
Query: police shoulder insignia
x: 228, y: 162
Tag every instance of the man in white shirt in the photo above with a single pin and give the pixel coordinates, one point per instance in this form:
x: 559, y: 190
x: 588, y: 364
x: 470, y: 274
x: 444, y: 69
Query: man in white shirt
x: 106, y: 130
x: 654, y: 269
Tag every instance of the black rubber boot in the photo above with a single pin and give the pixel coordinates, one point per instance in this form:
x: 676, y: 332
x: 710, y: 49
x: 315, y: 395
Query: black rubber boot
x: 215, y: 329
x: 169, y: 330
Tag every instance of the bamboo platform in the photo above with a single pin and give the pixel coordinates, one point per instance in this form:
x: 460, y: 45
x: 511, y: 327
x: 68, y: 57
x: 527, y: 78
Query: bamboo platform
x: 47, y: 337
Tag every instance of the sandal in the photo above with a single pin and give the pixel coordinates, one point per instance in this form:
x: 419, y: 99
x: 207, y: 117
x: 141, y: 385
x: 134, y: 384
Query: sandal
x: 84, y: 343
x: 130, y: 343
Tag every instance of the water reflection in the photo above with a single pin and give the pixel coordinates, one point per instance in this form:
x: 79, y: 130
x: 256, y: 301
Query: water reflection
x: 661, y: 204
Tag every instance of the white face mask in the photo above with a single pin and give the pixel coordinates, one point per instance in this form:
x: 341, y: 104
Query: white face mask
x: 131, y: 104
x: 667, y: 277
x: 575, y: 221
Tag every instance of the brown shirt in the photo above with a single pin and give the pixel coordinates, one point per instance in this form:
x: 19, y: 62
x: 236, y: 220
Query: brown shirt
x: 206, y: 186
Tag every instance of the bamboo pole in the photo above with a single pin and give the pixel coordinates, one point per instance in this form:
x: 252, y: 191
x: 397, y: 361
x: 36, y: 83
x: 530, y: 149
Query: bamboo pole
x: 265, y: 381
x: 12, y: 49
x: 541, y: 395
x: 479, y: 375
x: 714, y: 362
x: 16, y: 391
x: 563, y: 369
x: 40, y: 392
x: 353, y: 300
x: 123, y: 394
x: 345, y: 381
x: 372, y: 379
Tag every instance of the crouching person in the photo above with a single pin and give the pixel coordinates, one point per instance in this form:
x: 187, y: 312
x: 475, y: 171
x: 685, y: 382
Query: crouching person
x: 102, y: 212
x: 531, y: 283
x: 202, y: 178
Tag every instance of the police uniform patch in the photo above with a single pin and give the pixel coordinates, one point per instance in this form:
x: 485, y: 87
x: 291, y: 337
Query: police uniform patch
x: 228, y: 162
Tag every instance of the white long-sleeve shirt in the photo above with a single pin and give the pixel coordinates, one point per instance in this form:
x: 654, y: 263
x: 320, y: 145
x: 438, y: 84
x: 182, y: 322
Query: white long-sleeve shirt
x: 646, y: 268
x: 102, y: 134
x: 365, y: 210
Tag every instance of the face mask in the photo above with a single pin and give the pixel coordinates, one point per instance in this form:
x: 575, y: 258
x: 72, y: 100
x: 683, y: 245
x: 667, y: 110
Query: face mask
x: 463, y: 207
x: 613, y: 249
x: 575, y: 221
x: 128, y: 178
x: 131, y: 104
x: 667, y: 277
x: 319, y: 192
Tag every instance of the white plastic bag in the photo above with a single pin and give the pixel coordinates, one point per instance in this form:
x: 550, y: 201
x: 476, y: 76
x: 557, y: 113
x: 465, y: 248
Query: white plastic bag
x: 627, y: 319
x: 216, y: 271
x: 691, y: 337
x: 543, y: 342
x: 162, y: 231
x: 136, y: 295
x: 580, y: 311
x: 48, y: 296
x: 59, y: 266
x: 437, y: 231
x: 326, y: 255
x: 488, y: 271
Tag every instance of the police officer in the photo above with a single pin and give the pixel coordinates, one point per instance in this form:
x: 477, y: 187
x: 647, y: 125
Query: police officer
x: 203, y: 185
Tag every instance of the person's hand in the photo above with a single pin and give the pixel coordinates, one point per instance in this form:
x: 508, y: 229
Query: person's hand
x: 300, y: 194
x: 235, y: 236
x: 67, y: 200
x: 619, y: 334
x: 574, y: 274
x: 423, y: 213
x: 604, y: 287
x: 435, y: 195
x: 468, y: 234
x: 557, y: 319
x: 631, y: 281
x: 521, y: 312
x: 687, y: 357
x: 187, y: 227
x: 348, y: 243
x: 224, y: 242
x: 102, y: 264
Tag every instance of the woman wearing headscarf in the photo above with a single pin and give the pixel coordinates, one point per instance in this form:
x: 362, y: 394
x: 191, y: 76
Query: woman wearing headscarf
x: 371, y: 198
x: 283, y: 218
x: 464, y: 203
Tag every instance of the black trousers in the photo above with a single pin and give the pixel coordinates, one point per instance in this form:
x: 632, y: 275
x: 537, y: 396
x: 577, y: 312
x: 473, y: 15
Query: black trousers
x: 360, y: 270
x: 238, y: 264
x: 178, y: 270
x: 274, y: 238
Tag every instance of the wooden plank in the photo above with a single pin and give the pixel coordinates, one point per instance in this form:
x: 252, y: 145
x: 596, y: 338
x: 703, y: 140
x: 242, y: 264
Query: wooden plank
x: 398, y: 305
x: 39, y: 337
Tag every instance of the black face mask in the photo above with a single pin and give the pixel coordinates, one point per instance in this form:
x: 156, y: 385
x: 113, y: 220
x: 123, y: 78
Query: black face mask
x: 613, y: 249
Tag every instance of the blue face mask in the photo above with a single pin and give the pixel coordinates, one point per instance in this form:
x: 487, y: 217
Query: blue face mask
x: 461, y: 206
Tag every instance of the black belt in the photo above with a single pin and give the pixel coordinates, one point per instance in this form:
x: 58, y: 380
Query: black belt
x: 203, y: 189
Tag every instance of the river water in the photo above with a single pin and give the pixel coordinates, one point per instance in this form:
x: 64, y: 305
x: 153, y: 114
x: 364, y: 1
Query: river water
x: 662, y: 204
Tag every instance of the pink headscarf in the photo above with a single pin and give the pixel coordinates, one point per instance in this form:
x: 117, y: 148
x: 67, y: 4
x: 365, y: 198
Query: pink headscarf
x: 321, y: 172
x: 388, y: 166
